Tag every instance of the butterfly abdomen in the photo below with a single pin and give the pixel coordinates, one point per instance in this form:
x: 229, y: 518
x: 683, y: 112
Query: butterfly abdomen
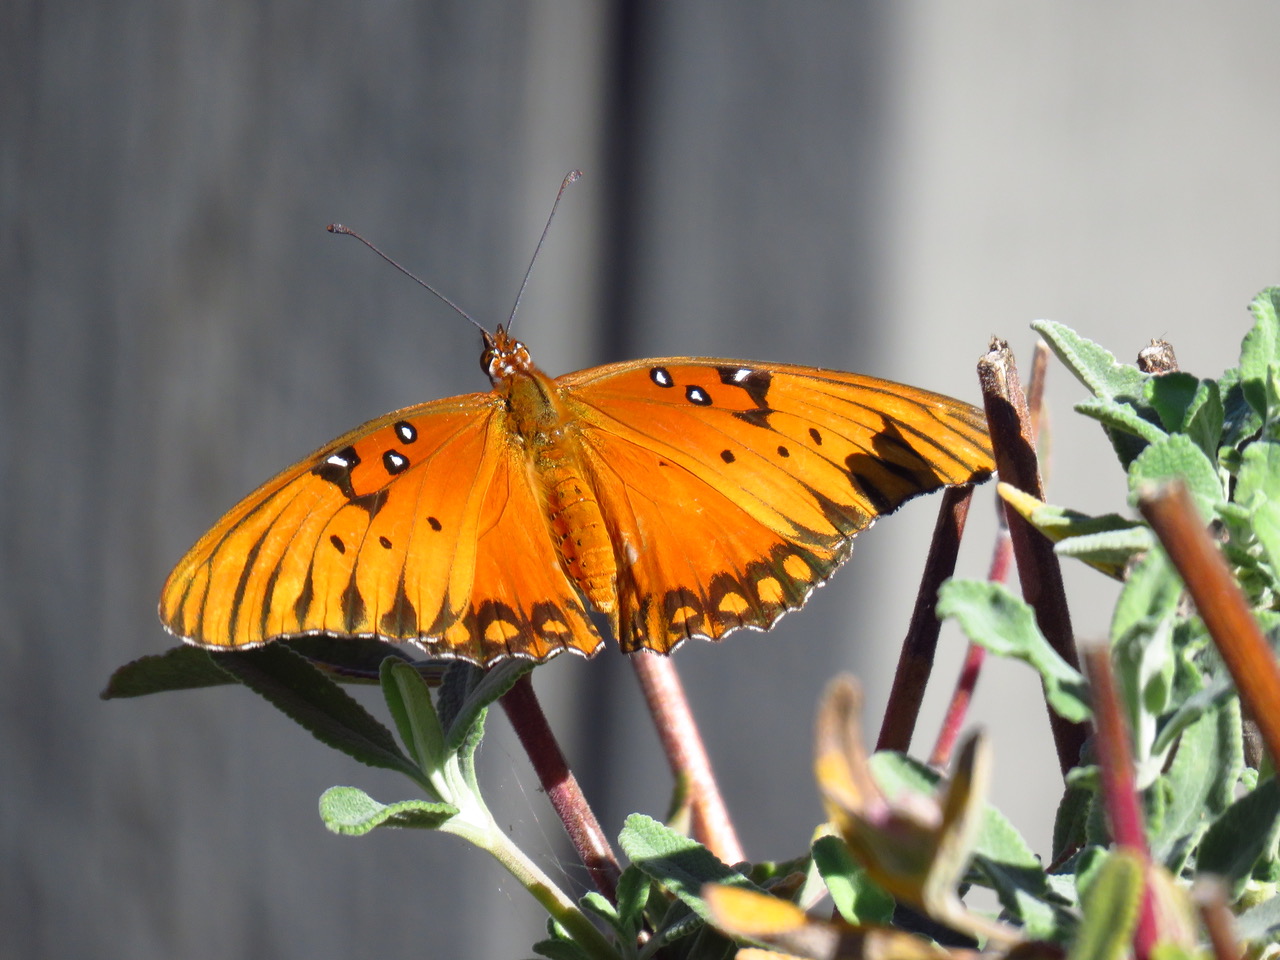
x: 582, y: 539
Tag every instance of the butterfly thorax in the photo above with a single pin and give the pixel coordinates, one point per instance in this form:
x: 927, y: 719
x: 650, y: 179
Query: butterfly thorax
x: 543, y: 426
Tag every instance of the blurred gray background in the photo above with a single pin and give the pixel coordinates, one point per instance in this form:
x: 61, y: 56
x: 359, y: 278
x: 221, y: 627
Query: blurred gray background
x: 871, y: 186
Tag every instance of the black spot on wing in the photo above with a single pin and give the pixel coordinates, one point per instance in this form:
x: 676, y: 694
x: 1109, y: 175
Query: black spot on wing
x: 402, y: 619
x: 337, y: 543
x: 337, y: 467
x: 757, y: 418
x: 683, y: 613
x: 727, y: 456
x: 405, y: 431
x: 302, y: 606
x: 661, y: 376
x: 353, y: 608
x: 755, y: 382
x: 268, y: 597
x: 246, y: 571
x: 882, y: 502
x: 386, y: 544
x: 370, y: 503
x: 393, y: 461
x: 697, y: 396
x: 434, y: 524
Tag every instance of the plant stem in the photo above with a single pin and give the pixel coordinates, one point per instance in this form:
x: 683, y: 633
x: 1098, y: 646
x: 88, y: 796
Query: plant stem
x: 975, y: 655
x: 686, y: 753
x: 1119, y: 794
x: 998, y: 572
x: 915, y: 662
x: 1210, y: 897
x: 1222, y: 606
x: 561, y: 786
x: 494, y: 841
x: 1038, y: 572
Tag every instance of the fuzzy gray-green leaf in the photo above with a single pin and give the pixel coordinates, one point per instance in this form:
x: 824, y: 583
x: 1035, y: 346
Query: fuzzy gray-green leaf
x: 352, y: 812
x: 990, y: 615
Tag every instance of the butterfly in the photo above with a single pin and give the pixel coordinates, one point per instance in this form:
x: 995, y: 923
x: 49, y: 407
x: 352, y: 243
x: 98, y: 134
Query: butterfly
x: 680, y: 497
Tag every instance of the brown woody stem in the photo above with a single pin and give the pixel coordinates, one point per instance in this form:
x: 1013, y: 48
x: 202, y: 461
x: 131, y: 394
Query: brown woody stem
x: 530, y: 723
x: 1039, y: 575
x: 915, y: 662
x: 686, y: 753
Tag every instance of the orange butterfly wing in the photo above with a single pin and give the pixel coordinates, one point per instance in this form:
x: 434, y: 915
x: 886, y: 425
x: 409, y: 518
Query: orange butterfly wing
x: 723, y: 491
x: 731, y: 489
x: 421, y: 525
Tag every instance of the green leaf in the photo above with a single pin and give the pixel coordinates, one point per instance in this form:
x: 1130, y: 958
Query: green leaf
x: 1266, y: 527
x: 1259, y: 478
x: 681, y: 865
x: 633, y: 895
x: 1093, y: 365
x: 1240, y: 422
x: 1109, y: 909
x: 1111, y: 550
x: 179, y: 668
x: 409, y: 701
x: 1152, y: 592
x: 554, y: 949
x: 1122, y: 417
x: 1261, y: 348
x: 1218, y: 691
x: 352, y: 812
x: 1205, y: 418
x: 1145, y: 666
x: 1171, y: 395
x: 858, y: 898
x: 1069, y: 824
x: 309, y: 698
x: 593, y: 902
x: 1177, y: 457
x: 990, y: 615
x: 1237, y: 839
x: 1261, y: 923
x: 468, y: 691
x: 1202, y: 779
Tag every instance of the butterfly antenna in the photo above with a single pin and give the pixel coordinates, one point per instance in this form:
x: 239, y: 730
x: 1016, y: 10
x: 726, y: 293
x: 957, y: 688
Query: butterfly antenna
x: 347, y: 231
x: 570, y: 177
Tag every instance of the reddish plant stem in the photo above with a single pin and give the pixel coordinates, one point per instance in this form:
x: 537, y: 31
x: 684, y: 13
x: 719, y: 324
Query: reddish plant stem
x: 915, y: 662
x: 1210, y: 897
x: 686, y: 753
x: 1119, y: 794
x: 1035, y: 390
x: 1175, y: 520
x: 974, y: 657
x: 1038, y: 572
x: 561, y: 786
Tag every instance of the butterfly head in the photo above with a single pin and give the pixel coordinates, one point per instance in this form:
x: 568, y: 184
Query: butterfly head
x: 504, y: 356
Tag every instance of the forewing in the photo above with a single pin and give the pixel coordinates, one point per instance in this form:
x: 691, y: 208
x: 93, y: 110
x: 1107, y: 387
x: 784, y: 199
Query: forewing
x: 421, y: 525
x: 731, y: 488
